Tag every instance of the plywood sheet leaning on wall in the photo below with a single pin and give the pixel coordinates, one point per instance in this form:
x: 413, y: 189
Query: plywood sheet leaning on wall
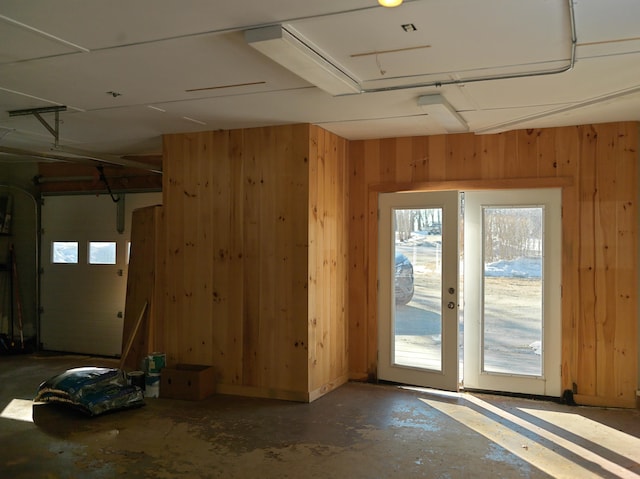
x: 141, y: 309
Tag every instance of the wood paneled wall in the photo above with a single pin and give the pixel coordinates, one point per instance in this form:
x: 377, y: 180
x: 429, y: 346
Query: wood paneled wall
x: 328, y: 262
x: 598, y: 166
x: 255, y: 234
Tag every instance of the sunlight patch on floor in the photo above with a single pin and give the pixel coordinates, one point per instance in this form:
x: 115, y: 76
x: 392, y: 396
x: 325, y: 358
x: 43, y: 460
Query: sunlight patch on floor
x: 548, y: 452
x: 18, y: 410
x: 433, y: 392
x: 618, y: 442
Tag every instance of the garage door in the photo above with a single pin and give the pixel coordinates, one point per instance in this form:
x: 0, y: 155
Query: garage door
x: 84, y: 271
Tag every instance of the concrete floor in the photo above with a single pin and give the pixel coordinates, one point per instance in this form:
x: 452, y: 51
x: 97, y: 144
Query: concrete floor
x: 357, y: 431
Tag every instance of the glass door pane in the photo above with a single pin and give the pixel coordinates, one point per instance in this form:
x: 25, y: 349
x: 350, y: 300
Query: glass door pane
x: 512, y: 293
x: 418, y: 288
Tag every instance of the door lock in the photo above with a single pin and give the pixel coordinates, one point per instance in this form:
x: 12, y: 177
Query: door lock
x: 452, y: 290
x: 451, y: 305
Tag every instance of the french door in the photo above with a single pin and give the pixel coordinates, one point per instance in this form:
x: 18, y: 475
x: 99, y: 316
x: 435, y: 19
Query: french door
x: 512, y: 291
x: 506, y: 332
x: 418, y: 288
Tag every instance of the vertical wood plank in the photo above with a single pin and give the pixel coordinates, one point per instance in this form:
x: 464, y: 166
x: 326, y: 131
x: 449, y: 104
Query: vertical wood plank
x: 526, y: 165
x: 372, y: 175
x: 420, y: 158
x: 588, y: 197
x: 343, y: 304
x: 176, y: 150
x: 387, y: 159
x: 236, y: 292
x: 567, y: 154
x: 464, y: 162
x: 546, y: 153
x: 322, y: 293
x: 325, y: 198
x: 625, y: 345
x: 214, y: 233
x: 211, y: 167
x: 404, y: 157
x: 190, y: 330
x: 316, y: 140
x: 358, y: 304
x: 251, y: 272
x: 605, y: 254
x: 269, y: 274
x: 490, y: 150
x: 297, y: 229
x: 437, y: 158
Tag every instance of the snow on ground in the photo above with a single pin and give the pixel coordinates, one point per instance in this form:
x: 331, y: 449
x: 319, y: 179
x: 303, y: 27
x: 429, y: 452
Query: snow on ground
x: 537, y: 347
x: 516, y: 268
x: 524, y: 267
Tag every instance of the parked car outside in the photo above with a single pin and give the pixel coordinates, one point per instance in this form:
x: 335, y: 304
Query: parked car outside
x: 403, y: 279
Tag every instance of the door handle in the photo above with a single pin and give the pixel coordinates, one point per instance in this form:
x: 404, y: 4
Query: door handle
x: 451, y: 305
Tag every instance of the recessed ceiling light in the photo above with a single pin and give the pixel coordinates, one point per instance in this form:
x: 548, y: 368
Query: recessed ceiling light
x: 390, y: 3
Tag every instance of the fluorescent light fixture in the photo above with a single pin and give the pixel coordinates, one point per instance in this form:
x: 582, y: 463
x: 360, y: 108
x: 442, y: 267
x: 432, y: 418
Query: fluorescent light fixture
x: 288, y: 48
x: 193, y: 120
x: 437, y: 108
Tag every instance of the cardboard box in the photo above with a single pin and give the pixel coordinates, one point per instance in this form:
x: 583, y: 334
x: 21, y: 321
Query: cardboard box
x: 187, y: 381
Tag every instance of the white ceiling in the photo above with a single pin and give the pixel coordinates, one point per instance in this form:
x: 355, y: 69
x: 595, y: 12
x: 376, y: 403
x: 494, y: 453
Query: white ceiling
x: 185, y: 66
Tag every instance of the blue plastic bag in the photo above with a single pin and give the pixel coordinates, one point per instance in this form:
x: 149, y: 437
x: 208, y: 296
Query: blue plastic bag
x: 92, y: 390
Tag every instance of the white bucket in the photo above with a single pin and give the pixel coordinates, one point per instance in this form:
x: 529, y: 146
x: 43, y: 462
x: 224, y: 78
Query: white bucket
x: 152, y: 386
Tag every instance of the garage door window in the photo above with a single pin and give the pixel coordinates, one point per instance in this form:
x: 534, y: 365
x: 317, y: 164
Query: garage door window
x: 64, y: 252
x: 102, y: 252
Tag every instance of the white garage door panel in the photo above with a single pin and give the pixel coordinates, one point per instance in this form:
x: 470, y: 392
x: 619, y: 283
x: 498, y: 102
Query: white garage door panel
x: 97, y: 290
x: 82, y: 303
x: 85, y: 332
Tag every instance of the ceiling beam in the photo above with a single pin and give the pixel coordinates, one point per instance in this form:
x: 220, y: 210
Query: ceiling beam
x: 81, y: 157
